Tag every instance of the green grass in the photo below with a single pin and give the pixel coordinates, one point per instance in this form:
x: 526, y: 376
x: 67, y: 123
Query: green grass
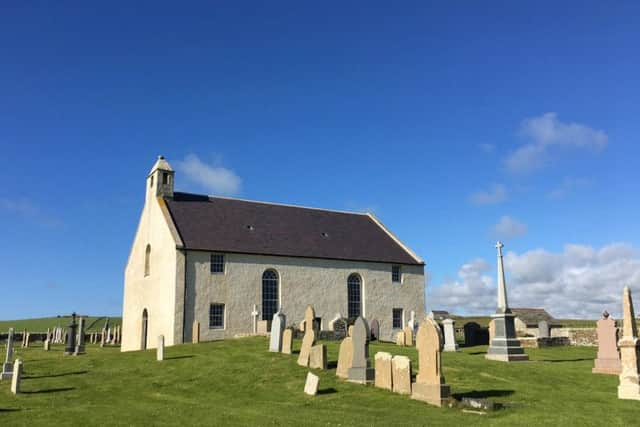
x: 93, y: 323
x: 238, y: 382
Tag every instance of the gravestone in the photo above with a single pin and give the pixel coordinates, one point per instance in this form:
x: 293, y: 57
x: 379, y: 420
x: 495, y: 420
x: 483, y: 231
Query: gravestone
x: 345, y: 357
x: 277, y: 328
x: 263, y: 327
x: 332, y: 322
x: 70, y: 346
x: 7, y: 366
x: 46, y: 345
x: 287, y: 340
x: 103, y: 338
x: 430, y: 385
x: 401, y: 373
x: 27, y: 339
x: 17, y: 377
x: 254, y: 317
x: 160, y: 349
x: 449, y: 335
x: 361, y: 371
x: 492, y: 329
x: 400, y: 340
x: 309, y: 338
x: 24, y: 337
x: 629, y: 387
x: 543, y: 329
x: 375, y: 330
x: 383, y: 370
x: 340, y: 328
x: 608, y: 360
x: 318, y: 357
x: 408, y: 336
x: 80, y: 343
x: 195, y: 332
x: 311, y: 385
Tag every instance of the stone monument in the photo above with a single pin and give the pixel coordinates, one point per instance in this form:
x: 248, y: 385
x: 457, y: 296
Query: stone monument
x: 80, y: 344
x: 401, y: 373
x: 400, y: 339
x: 277, y: 328
x: 543, y: 329
x: 345, y: 357
x: 309, y: 338
x: 17, y: 376
x: 629, y: 387
x: 311, y: 385
x: 450, y: 343
x: 318, y: 357
x: 408, y: 336
x: 7, y: 366
x: 361, y: 371
x: 375, y: 330
x: 430, y: 385
x: 160, y: 349
x: 608, y: 361
x: 504, y: 347
x: 287, y: 341
x: 70, y: 346
x: 195, y: 332
x: 383, y: 370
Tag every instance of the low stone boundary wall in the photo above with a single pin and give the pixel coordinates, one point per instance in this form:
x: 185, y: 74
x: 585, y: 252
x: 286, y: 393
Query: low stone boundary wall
x: 544, y: 342
x: 577, y: 336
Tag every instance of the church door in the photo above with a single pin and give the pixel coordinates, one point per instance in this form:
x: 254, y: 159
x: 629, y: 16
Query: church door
x: 145, y: 318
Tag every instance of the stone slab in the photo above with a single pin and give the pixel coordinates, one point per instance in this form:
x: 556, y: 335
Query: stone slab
x: 287, y: 341
x: 401, y: 372
x: 318, y: 357
x: 311, y: 385
x: 383, y: 377
x: 434, y: 394
x: 345, y: 356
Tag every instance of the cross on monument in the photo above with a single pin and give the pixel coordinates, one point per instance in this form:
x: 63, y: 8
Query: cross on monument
x: 502, y: 288
x: 254, y: 314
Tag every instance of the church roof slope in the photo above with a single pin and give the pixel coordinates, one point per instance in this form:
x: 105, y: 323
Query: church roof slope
x: 241, y: 226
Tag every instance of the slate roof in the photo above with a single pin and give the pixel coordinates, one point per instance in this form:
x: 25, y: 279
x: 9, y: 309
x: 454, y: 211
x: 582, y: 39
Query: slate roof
x: 531, y: 316
x: 241, y: 226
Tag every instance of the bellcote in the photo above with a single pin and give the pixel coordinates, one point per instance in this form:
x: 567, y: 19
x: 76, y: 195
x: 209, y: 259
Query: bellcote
x: 160, y: 179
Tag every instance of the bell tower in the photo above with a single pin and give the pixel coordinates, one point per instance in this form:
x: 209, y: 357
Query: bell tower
x: 160, y: 179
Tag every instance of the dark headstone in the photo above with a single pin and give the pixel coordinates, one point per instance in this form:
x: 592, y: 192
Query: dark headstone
x: 375, y: 329
x: 340, y: 328
x: 474, y: 334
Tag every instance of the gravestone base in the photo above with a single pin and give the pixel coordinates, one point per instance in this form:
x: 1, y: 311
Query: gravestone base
x: 451, y: 347
x: 505, y: 347
x: 434, y: 394
x: 362, y: 375
x: 629, y: 391
x: 7, y: 371
x: 607, y: 366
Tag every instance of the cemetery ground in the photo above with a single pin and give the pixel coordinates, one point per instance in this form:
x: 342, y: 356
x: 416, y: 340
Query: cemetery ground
x: 238, y: 382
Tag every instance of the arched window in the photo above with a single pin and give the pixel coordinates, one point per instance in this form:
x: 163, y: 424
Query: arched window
x: 147, y: 260
x: 354, y: 296
x: 270, y: 294
x: 145, y: 327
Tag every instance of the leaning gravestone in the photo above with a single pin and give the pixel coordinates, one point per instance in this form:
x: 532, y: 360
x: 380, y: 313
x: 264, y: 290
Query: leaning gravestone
x: 430, y: 385
x: 16, y: 378
x: 277, y: 328
x: 375, y: 330
x: 608, y: 361
x: 311, y: 385
x: 309, y: 338
x: 345, y: 357
x: 383, y: 370
x: 401, y: 373
x: 361, y: 371
x: 7, y: 366
x: 287, y: 340
x: 543, y: 329
x: 318, y: 357
x: 629, y: 387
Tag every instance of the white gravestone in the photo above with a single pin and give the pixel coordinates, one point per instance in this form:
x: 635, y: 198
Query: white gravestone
x: 311, y: 385
x: 449, y: 335
x: 17, y: 373
x: 254, y: 315
x: 7, y: 367
x: 160, y: 349
x: 277, y: 329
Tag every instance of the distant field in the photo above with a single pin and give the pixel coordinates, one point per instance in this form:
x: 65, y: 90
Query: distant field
x: 567, y: 323
x: 41, y: 324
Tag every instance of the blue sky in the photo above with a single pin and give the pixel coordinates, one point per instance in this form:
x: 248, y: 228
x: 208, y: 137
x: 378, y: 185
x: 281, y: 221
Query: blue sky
x: 457, y: 124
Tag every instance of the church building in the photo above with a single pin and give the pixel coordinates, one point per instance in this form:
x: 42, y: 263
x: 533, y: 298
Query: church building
x: 229, y: 263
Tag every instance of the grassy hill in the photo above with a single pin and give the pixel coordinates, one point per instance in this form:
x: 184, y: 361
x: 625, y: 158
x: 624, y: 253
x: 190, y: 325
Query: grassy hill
x: 567, y: 323
x: 238, y: 382
x: 93, y: 323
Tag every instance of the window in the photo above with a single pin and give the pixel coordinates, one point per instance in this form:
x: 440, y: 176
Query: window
x: 217, y: 263
x: 354, y: 296
x: 396, y: 274
x: 151, y: 182
x: 216, y: 316
x: 147, y: 260
x: 270, y: 297
x: 398, y: 314
x: 165, y: 178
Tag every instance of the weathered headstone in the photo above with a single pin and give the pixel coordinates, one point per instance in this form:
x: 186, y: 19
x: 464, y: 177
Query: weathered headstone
x: 340, y: 328
x: 160, y: 349
x: 504, y: 347
x: 383, y: 370
x: 430, y: 385
x: 375, y: 330
x: 80, y: 344
x: 318, y: 357
x: 24, y: 337
x: 361, y: 371
x: 16, y: 378
x: 263, y: 327
x: 449, y: 335
x: 287, y: 341
x: 46, y: 345
x: 311, y: 385
x: 408, y: 336
x: 7, y: 366
x: 195, y: 332
x: 543, y: 329
x: 27, y: 340
x: 345, y: 357
x: 103, y: 338
x: 70, y: 346
x: 309, y: 338
x: 401, y: 373
x: 400, y: 339
x: 350, y: 331
x: 277, y: 328
x: 629, y: 387
x: 608, y: 361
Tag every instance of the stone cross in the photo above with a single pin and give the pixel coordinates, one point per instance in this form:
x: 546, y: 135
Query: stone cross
x: 254, y: 315
x: 7, y: 366
x: 608, y: 360
x: 277, y: 328
x: 503, y: 306
x: 361, y: 371
x: 160, y: 349
x: 430, y: 385
x: 449, y: 335
x: 17, y: 374
x: 629, y: 387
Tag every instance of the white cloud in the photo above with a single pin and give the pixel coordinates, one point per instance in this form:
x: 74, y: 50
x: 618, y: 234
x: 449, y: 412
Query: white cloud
x: 496, y: 194
x: 547, y: 131
x: 579, y: 282
x: 567, y: 186
x: 25, y: 208
x: 508, y: 228
x: 216, y: 180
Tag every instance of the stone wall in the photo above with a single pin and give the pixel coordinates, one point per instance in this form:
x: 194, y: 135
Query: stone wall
x: 577, y: 336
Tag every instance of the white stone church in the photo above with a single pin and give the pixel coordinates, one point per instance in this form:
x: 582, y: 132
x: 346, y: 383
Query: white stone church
x: 214, y: 259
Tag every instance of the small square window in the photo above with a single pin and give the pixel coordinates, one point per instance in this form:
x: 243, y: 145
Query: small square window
x: 165, y: 178
x: 216, y: 316
x: 398, y: 314
x: 396, y: 274
x: 217, y: 263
